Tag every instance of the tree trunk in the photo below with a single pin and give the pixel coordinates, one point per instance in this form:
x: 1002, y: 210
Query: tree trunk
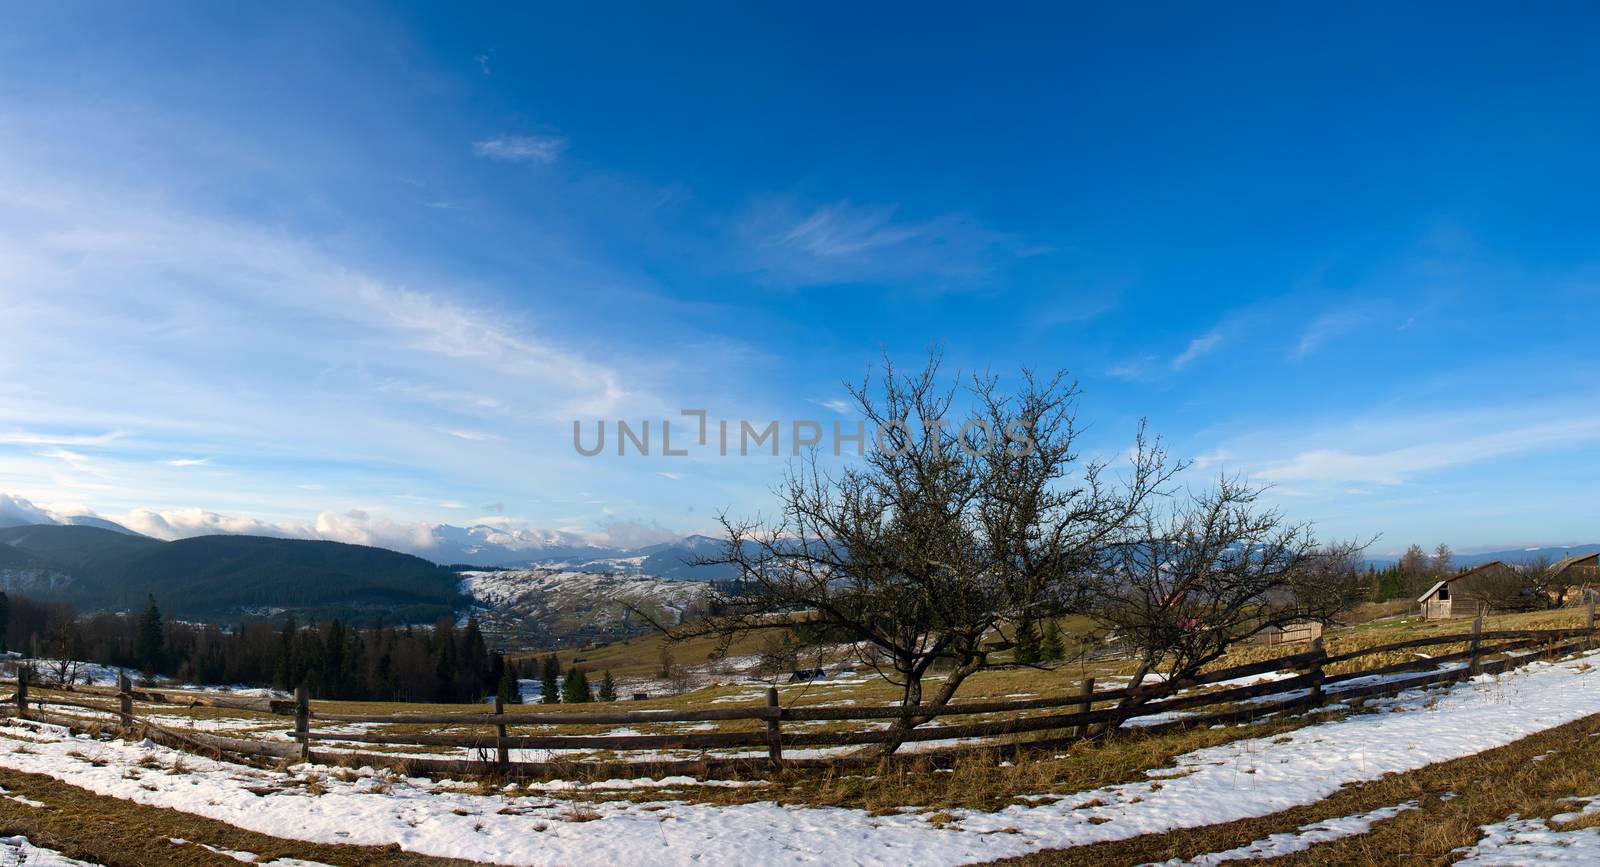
x: 1129, y: 704
x: 902, y: 726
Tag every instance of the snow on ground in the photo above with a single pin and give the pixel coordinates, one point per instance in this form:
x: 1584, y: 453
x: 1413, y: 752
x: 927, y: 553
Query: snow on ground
x: 53, y: 672
x: 246, y: 857
x: 1246, y: 778
x: 17, y: 851
x: 1532, y: 841
x: 1304, y: 837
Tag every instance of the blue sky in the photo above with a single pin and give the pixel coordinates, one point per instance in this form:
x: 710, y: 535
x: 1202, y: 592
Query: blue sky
x: 351, y: 272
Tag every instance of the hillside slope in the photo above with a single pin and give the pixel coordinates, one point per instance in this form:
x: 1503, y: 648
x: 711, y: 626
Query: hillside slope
x: 550, y: 607
x: 221, y: 577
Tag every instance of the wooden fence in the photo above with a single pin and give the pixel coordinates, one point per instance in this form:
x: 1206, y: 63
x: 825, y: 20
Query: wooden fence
x: 1305, y: 683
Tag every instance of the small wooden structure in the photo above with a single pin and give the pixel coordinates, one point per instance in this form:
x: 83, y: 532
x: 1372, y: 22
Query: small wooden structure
x: 1453, y: 597
x: 1578, y: 570
x: 1289, y: 633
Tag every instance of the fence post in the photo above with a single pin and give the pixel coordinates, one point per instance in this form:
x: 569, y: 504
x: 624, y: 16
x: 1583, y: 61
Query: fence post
x: 302, y: 722
x: 502, y: 756
x: 22, y: 691
x: 1316, y: 696
x: 1082, y: 729
x: 1475, y: 668
x: 774, y: 737
x: 1588, y: 638
x: 125, y: 701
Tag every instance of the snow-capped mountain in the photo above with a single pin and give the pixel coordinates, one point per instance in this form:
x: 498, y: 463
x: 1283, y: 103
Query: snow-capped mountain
x: 555, y: 606
x: 18, y: 512
x: 487, y: 546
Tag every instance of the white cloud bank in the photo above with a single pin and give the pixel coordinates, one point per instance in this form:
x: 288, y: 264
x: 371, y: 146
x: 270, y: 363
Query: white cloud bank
x: 443, y: 542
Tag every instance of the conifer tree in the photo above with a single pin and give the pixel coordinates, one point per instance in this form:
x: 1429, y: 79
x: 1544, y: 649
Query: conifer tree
x: 510, y: 691
x: 1027, y: 650
x: 608, y: 687
x: 149, y: 639
x: 550, y: 680
x: 576, y: 688
x: 1050, y: 647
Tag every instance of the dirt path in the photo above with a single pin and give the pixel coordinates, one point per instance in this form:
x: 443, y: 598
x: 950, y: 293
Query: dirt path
x: 112, y: 831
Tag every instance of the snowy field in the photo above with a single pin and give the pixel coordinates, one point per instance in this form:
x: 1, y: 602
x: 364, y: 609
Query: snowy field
x: 1238, y: 780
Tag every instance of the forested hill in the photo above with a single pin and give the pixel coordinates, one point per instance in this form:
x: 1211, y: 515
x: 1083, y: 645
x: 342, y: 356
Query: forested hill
x: 223, y: 577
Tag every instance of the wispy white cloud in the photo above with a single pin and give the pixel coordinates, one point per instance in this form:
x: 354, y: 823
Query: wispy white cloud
x: 842, y: 242
x: 1135, y: 369
x: 541, y: 149
x: 1151, y: 367
x: 470, y: 435
x: 837, y: 405
x: 1199, y: 347
x: 1398, y: 451
x: 1326, y: 327
x: 1211, y: 459
x: 46, y: 439
x: 187, y: 462
x: 77, y: 460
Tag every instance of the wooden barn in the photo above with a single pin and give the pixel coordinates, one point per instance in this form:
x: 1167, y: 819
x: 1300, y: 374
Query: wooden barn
x: 1455, y: 596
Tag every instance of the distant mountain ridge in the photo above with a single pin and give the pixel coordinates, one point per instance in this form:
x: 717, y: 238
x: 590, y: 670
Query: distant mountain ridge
x: 487, y: 547
x: 223, y: 577
x: 1523, y: 555
x: 1509, y: 555
x: 481, y: 545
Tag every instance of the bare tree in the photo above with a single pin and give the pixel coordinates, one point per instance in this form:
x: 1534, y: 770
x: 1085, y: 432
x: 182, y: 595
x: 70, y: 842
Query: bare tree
x: 779, y: 655
x: 1550, y: 587
x: 66, y: 644
x: 1526, y: 586
x: 1443, y: 561
x: 1204, y: 572
x: 1417, y: 568
x: 939, y: 542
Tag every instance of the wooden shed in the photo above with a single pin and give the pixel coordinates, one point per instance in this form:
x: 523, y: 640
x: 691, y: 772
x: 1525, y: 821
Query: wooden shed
x: 1305, y: 630
x: 1452, y: 597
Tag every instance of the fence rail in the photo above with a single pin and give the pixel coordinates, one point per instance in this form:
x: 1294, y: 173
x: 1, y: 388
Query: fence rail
x: 1304, y: 683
